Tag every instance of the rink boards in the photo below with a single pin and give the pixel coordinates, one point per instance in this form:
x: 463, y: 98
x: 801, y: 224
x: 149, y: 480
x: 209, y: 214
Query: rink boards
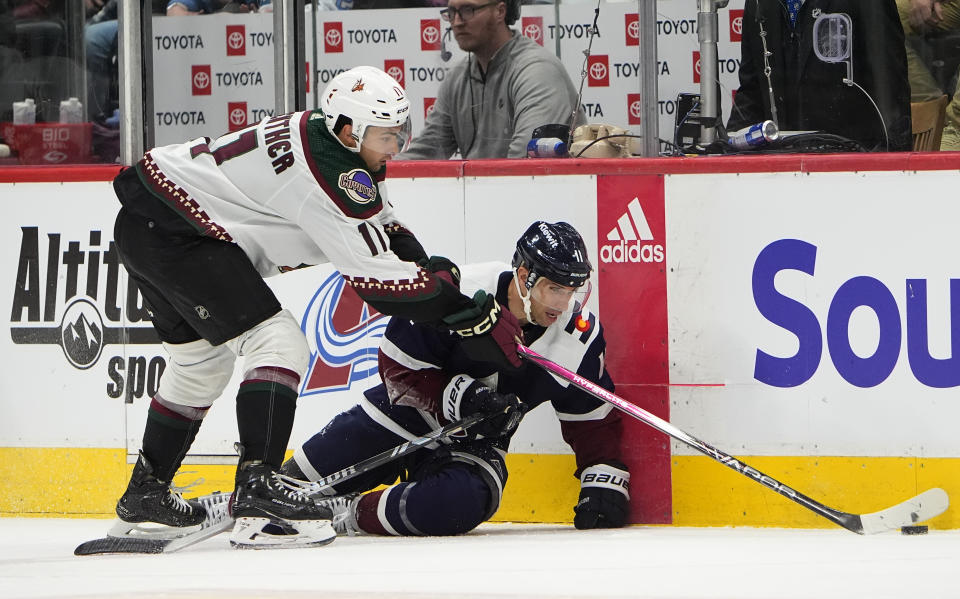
x: 801, y: 319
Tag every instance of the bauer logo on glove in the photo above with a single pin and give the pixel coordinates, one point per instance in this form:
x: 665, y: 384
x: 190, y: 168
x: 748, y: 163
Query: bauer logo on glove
x: 465, y: 396
x: 604, y: 496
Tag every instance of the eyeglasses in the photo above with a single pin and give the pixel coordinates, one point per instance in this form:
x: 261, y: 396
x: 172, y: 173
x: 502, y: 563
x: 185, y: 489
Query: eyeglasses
x: 465, y: 12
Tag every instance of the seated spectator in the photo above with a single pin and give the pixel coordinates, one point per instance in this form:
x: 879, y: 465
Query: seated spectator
x: 931, y: 18
x: 368, y: 4
x: 178, y: 8
x: 100, y: 39
x: 811, y: 94
x: 11, y: 89
x: 489, y: 104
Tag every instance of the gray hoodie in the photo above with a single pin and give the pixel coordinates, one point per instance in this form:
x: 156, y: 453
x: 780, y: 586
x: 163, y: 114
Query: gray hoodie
x: 492, y: 114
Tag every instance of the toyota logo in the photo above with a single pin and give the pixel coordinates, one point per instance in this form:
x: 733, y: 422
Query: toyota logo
x: 201, y: 79
x: 636, y: 109
x: 238, y: 116
x: 633, y: 30
x: 431, y: 34
x: 737, y: 25
x: 696, y: 67
x: 532, y: 31
x: 332, y: 37
x: 55, y: 156
x: 598, y: 70
x: 235, y: 40
x: 395, y: 72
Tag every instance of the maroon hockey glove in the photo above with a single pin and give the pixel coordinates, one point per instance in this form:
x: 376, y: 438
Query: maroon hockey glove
x: 604, y: 497
x: 465, y: 396
x: 443, y: 268
x: 489, y: 333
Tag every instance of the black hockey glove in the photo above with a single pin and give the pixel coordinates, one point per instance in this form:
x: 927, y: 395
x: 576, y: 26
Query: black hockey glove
x: 604, y: 497
x: 443, y: 267
x: 465, y: 396
x: 489, y: 333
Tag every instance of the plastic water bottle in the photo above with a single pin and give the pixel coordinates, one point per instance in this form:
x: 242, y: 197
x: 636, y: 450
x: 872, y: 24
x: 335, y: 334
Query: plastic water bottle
x: 24, y: 113
x: 546, y: 147
x: 753, y: 136
x: 71, y: 111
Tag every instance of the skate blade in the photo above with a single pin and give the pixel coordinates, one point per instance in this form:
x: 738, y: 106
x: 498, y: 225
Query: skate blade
x: 150, y: 530
x: 277, y: 533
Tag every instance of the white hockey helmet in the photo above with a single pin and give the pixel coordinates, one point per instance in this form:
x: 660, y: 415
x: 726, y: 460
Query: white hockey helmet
x: 368, y: 97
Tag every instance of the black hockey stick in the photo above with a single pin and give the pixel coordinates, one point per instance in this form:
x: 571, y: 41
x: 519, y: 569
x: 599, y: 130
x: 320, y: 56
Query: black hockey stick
x: 218, y: 520
x: 924, y: 506
x: 400, y: 450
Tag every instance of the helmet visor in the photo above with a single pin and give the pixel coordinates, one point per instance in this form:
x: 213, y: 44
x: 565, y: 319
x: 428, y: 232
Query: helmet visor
x: 387, y: 140
x: 554, y: 296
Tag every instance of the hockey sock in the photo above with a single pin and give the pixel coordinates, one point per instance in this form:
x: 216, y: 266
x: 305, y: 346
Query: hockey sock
x: 367, y: 518
x: 450, y: 502
x: 266, y: 403
x: 168, y: 435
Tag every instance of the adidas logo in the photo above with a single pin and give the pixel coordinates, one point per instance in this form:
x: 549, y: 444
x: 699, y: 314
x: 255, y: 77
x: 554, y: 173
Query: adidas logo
x: 631, y: 240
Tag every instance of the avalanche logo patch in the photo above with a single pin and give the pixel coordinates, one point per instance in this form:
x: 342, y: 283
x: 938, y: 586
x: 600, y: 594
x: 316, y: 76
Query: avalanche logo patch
x: 359, y: 186
x: 343, y: 334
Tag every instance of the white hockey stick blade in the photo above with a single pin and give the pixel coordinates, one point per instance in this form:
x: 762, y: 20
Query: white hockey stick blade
x: 922, y: 507
x: 926, y: 505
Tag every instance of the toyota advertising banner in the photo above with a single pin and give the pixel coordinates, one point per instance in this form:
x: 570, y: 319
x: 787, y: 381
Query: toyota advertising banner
x: 214, y: 73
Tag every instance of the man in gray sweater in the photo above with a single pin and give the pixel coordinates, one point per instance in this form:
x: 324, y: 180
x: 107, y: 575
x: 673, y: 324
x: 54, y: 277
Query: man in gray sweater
x: 490, y: 103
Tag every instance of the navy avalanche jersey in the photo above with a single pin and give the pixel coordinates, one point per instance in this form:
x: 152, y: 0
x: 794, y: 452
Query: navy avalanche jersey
x: 417, y: 362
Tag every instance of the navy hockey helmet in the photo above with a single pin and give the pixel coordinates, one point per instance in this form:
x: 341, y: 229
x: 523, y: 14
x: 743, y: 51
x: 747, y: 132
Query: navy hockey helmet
x: 555, y: 251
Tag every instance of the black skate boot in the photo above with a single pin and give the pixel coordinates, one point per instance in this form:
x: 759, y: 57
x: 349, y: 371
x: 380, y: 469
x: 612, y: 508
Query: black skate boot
x: 151, y: 507
x: 272, y: 510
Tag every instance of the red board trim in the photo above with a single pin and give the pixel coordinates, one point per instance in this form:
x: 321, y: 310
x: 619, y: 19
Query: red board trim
x: 804, y: 163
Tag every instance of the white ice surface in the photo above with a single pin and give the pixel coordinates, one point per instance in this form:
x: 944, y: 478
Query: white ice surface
x: 497, y: 560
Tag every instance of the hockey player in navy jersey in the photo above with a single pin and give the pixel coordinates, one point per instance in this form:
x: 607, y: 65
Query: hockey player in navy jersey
x: 203, y: 223
x: 428, y: 381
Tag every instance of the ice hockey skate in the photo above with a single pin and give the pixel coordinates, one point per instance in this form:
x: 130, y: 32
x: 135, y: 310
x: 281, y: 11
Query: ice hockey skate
x: 152, y: 508
x: 274, y: 511
x: 217, y: 520
x: 344, y: 509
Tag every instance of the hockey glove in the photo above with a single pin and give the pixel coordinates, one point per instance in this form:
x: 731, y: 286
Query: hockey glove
x: 604, y: 497
x: 489, y: 333
x: 443, y: 268
x: 465, y: 396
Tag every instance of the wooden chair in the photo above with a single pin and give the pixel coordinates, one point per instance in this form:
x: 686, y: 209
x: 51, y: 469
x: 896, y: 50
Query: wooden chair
x: 928, y: 119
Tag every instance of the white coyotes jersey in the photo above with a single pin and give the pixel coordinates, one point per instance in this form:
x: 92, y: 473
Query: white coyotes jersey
x: 263, y: 189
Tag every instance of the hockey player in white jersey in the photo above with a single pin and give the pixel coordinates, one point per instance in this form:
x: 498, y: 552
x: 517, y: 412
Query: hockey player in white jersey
x: 427, y: 381
x: 200, y: 227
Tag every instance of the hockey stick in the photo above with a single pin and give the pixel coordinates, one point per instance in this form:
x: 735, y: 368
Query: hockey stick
x: 218, y: 519
x: 400, y: 450
x: 924, y: 506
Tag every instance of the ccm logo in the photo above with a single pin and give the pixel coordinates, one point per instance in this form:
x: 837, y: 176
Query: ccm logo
x: 483, y: 326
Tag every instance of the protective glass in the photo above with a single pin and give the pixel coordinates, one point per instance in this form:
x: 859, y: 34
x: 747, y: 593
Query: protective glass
x: 387, y: 140
x: 558, y: 297
x: 465, y: 12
